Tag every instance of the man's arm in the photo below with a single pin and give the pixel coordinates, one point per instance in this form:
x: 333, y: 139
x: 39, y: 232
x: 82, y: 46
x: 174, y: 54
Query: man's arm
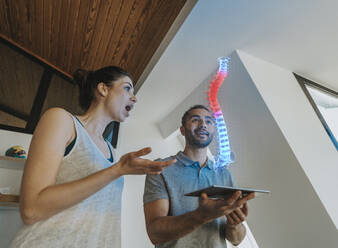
x: 162, y: 228
x: 235, y: 230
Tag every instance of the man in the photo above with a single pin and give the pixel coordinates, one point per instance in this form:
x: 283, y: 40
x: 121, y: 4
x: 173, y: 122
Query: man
x: 175, y: 220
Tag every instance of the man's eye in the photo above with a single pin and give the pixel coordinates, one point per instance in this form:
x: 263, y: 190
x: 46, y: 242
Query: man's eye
x: 127, y: 88
x: 209, y: 122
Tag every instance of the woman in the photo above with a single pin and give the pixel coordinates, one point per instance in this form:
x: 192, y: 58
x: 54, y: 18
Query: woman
x: 72, y: 183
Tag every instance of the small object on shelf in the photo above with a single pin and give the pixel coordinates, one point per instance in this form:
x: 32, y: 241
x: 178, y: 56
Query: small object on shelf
x: 16, y: 152
x: 9, y: 200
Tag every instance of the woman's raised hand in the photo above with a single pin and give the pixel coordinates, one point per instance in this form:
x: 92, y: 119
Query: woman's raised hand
x: 132, y: 164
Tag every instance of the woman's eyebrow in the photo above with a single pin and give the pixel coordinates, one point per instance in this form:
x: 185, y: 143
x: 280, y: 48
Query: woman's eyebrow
x: 129, y: 84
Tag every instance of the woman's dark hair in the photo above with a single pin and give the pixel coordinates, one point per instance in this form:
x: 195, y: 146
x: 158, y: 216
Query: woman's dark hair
x: 88, y: 81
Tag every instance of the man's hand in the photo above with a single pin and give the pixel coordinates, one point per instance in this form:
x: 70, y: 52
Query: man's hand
x: 235, y: 230
x: 237, y: 216
x: 210, y: 209
x: 131, y: 163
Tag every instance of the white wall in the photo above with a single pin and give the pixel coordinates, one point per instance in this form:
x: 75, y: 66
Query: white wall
x: 10, y: 219
x: 300, y: 126
x: 135, y: 134
x: 292, y: 215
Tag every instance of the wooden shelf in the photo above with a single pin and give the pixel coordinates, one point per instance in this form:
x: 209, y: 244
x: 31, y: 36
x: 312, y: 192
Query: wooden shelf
x: 12, y: 163
x: 9, y: 201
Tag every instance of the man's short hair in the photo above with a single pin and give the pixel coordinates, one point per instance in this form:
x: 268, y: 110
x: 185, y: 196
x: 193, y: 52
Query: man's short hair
x: 186, y: 114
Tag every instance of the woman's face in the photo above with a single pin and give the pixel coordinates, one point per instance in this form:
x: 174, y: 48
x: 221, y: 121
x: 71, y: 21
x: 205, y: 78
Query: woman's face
x: 121, y: 99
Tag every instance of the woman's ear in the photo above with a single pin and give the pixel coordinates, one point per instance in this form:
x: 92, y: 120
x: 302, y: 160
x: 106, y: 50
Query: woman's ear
x: 102, y: 89
x: 182, y: 130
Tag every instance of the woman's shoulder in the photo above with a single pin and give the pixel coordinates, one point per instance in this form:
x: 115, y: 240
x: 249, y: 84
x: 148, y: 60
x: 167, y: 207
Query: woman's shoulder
x: 57, y: 114
x: 56, y: 119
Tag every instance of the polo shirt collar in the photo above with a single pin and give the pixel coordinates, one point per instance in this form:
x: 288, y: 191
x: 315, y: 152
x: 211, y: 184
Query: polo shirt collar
x: 186, y: 161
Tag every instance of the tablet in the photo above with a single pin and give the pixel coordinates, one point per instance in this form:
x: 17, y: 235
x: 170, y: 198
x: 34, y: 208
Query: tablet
x: 216, y: 191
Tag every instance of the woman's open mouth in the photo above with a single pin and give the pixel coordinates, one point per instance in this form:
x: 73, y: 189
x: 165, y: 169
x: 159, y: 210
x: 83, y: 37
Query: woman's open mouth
x: 129, y: 107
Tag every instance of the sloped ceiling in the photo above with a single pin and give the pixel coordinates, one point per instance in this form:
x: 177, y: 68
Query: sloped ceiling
x: 65, y: 35
x: 90, y: 34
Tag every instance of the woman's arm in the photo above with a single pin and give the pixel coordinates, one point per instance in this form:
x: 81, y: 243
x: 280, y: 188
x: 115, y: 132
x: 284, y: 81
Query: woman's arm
x: 40, y: 198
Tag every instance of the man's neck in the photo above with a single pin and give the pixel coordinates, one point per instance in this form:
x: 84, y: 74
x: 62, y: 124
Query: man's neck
x: 196, y: 154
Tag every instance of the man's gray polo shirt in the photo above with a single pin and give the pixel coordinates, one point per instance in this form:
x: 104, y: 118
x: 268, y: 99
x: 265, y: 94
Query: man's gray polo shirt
x: 183, y: 177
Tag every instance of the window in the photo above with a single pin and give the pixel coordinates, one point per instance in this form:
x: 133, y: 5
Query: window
x: 325, y: 103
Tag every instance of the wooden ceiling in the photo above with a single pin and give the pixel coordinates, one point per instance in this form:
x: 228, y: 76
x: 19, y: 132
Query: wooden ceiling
x: 65, y: 35
x: 89, y: 34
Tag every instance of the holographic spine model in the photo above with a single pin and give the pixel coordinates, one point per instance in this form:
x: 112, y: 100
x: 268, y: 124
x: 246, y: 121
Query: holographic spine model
x: 224, y: 155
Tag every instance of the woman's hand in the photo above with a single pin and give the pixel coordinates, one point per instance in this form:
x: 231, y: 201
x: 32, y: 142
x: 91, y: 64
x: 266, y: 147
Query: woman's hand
x: 132, y: 164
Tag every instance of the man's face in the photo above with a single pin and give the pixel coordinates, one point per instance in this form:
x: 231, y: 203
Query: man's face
x: 199, y: 128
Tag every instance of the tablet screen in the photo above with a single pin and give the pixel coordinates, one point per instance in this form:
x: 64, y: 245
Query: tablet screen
x: 216, y: 191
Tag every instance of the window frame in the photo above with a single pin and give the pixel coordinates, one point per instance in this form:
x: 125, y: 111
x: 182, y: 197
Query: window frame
x: 303, y: 82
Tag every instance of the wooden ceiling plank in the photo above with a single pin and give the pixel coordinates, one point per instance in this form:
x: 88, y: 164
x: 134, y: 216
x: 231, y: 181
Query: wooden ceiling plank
x: 55, y: 36
x: 4, y: 19
x: 25, y: 23
x: 38, y: 28
x: 131, y: 29
x: 132, y: 17
x: 33, y: 31
x: 99, y: 29
x: 79, y: 36
x: 31, y: 12
x: 64, y: 28
x: 44, y: 34
x: 153, y: 34
x: 19, y: 19
x: 144, y: 43
x: 73, y: 23
x: 88, y: 35
x: 141, y: 25
x: 109, y: 32
x: 118, y: 30
x: 11, y: 18
x: 47, y: 34
x: 72, y: 18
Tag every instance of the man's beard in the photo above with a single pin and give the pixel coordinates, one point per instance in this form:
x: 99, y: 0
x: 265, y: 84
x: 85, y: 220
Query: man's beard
x: 191, y: 140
